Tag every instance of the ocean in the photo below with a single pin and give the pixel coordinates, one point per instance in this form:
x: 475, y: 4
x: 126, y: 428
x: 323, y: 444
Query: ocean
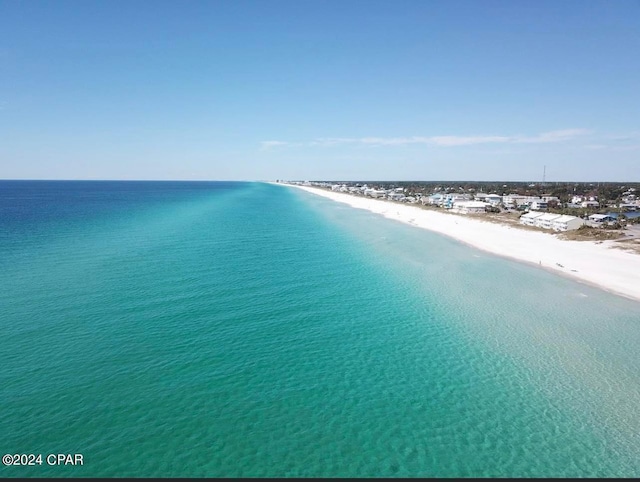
x: 241, y: 329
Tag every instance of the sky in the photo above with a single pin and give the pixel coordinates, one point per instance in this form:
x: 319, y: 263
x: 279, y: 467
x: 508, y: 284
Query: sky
x: 395, y: 90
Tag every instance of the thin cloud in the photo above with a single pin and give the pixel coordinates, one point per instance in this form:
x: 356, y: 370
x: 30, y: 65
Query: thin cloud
x: 332, y: 141
x: 452, y: 141
x: 440, y: 141
x: 553, y: 136
x: 401, y: 141
x: 266, y: 145
x: 448, y: 141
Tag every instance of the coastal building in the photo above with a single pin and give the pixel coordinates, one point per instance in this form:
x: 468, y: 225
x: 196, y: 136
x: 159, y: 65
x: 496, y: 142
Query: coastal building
x: 493, y: 199
x: 445, y: 200
x: 452, y: 198
x: 557, y: 222
x: 566, y: 223
x: 629, y: 198
x: 528, y: 219
x: 628, y: 206
x: 434, y: 199
x: 470, y: 207
x: 539, y: 205
x: 374, y: 193
x: 545, y: 221
x: 528, y: 200
x: 514, y: 200
x: 395, y: 196
x: 589, y: 204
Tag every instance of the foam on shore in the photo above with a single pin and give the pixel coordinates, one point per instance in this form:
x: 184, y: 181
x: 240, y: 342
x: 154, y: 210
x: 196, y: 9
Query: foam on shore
x: 595, y: 263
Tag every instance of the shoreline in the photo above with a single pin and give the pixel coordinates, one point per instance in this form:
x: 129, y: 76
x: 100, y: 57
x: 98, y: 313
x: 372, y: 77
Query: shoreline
x: 593, y: 263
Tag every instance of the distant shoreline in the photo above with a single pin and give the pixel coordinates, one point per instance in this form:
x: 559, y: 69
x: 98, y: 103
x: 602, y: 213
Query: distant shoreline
x: 590, y: 262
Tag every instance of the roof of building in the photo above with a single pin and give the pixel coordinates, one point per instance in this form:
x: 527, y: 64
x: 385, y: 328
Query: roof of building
x: 470, y: 204
x: 548, y: 217
x: 565, y: 218
x: 532, y: 215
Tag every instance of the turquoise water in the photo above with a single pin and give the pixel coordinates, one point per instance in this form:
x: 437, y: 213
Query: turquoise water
x: 246, y: 329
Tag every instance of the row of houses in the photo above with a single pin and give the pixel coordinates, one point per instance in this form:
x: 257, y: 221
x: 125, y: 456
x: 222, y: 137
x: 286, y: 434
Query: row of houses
x: 468, y: 203
x: 557, y: 222
x: 447, y: 200
x: 450, y: 200
x: 533, y: 202
x: 396, y: 194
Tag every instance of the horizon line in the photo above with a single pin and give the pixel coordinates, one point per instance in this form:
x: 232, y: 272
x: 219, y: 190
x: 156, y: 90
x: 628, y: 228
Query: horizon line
x: 322, y: 180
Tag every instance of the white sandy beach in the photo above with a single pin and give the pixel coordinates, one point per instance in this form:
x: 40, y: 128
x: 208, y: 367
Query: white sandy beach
x: 594, y: 263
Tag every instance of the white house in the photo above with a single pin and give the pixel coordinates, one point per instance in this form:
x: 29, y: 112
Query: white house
x: 395, y: 196
x: 493, y: 199
x: 433, y: 199
x: 545, y: 221
x: 469, y: 207
x: 374, y: 192
x: 446, y: 200
x: 628, y: 206
x: 567, y: 223
x: 589, y: 204
x: 539, y: 205
x: 514, y: 200
x: 452, y: 198
x: 528, y: 219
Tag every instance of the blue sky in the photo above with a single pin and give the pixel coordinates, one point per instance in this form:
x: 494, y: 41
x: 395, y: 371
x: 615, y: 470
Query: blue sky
x: 320, y: 90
